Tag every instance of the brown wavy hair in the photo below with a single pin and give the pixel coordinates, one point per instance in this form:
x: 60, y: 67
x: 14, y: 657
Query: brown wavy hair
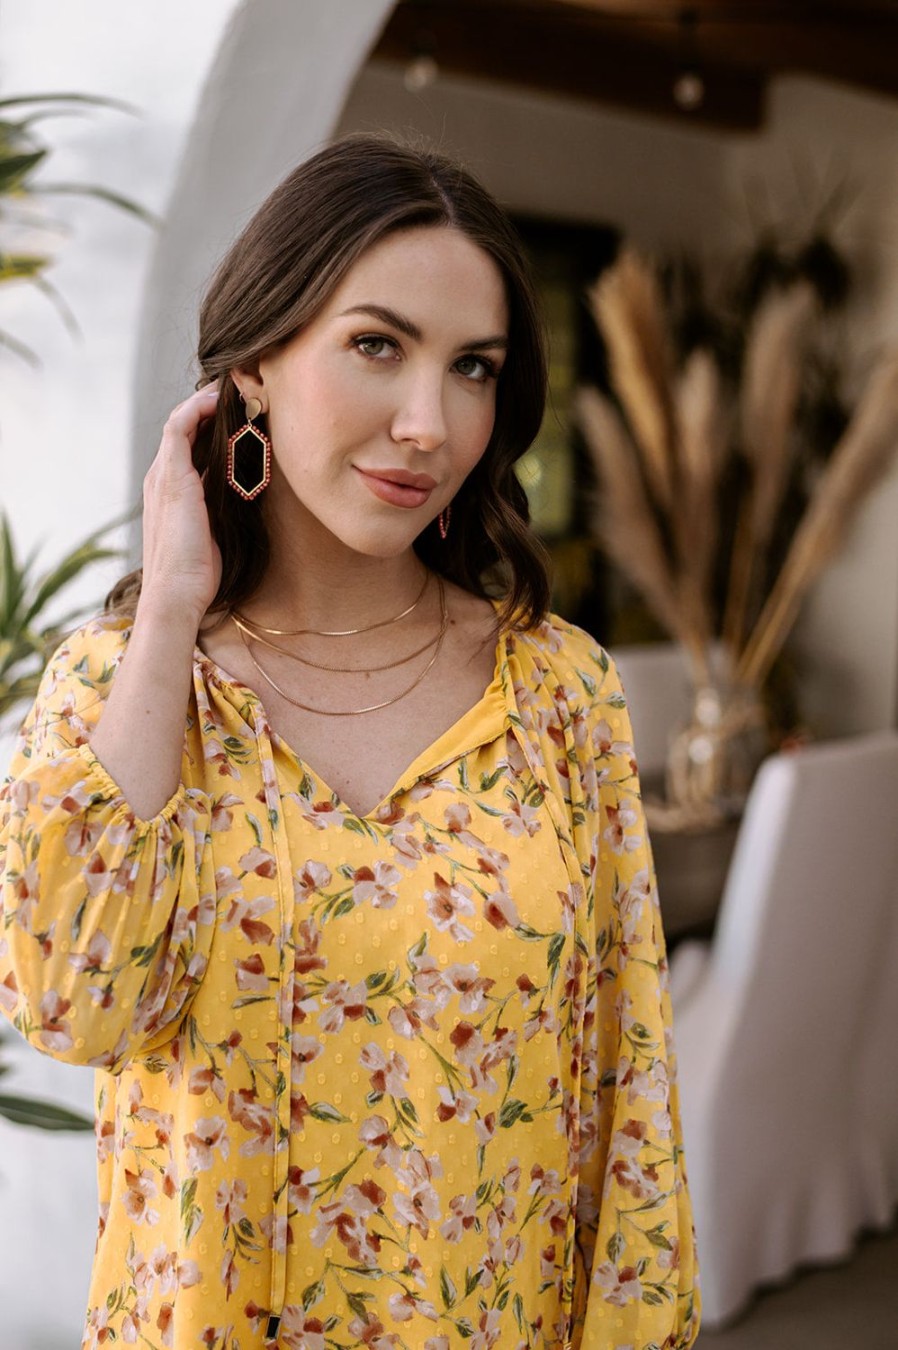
x: 277, y: 277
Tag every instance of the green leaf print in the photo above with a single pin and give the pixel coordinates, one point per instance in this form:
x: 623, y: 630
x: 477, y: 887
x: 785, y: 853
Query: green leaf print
x: 357, y: 1303
x: 312, y: 1293
x: 325, y: 1111
x: 556, y: 947
x: 513, y: 1111
x: 518, y: 1310
x: 448, y: 1291
x: 657, y: 1239
x: 191, y: 1214
x: 78, y: 920
x: 419, y: 949
x: 407, y: 1108
x: 142, y: 956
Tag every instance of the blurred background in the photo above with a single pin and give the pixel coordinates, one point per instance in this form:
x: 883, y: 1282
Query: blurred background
x: 709, y: 195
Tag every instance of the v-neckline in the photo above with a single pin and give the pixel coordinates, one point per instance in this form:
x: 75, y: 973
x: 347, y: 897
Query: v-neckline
x: 482, y: 721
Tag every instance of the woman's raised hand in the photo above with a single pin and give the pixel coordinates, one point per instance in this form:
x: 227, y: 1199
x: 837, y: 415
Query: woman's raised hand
x: 181, y: 561
x: 139, y: 738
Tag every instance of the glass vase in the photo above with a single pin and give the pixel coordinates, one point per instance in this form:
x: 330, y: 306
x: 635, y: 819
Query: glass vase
x: 713, y: 759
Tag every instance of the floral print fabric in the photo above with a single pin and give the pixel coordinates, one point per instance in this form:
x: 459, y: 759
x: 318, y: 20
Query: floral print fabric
x: 401, y: 1080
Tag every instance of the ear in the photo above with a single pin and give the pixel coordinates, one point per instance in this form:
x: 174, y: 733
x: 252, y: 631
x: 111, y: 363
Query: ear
x: 250, y: 384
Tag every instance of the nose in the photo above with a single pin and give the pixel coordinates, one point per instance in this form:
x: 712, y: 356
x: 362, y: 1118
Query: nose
x: 419, y: 417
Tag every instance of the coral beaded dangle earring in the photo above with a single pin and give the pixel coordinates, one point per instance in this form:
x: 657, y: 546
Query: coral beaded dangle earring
x: 249, y: 455
x: 443, y: 520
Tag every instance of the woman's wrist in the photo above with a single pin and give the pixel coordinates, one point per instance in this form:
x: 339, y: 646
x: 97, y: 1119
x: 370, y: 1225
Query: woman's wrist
x: 178, y: 619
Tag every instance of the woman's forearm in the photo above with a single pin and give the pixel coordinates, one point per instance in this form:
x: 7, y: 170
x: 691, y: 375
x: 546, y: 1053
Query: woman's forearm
x: 139, y: 738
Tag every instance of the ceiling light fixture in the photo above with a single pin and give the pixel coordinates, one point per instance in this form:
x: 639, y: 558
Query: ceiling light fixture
x: 689, y: 86
x: 422, y: 69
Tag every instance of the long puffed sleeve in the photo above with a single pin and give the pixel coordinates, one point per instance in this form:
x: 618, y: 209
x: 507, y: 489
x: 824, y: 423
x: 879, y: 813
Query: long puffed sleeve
x: 637, y: 1285
x: 634, y: 1278
x: 106, y: 920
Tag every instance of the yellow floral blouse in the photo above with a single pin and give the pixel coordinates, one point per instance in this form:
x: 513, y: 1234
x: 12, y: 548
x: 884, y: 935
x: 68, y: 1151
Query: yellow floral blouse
x: 401, y: 1080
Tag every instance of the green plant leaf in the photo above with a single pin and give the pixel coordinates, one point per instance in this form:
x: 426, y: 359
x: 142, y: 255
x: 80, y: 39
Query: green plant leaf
x: 25, y: 645
x: 88, y: 100
x: 12, y: 586
x: 24, y: 352
x: 62, y: 309
x: 21, y: 266
x: 42, y: 1115
x: 70, y: 567
x: 101, y: 194
x: 15, y: 168
x: 21, y: 154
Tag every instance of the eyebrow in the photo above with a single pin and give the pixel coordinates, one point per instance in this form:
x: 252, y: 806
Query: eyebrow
x: 411, y: 330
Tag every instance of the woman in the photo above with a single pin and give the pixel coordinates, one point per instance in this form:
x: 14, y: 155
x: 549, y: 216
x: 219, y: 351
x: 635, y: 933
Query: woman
x: 368, y: 959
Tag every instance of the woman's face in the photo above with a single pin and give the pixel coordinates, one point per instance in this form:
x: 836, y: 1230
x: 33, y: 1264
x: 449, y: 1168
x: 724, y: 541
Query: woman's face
x: 382, y: 406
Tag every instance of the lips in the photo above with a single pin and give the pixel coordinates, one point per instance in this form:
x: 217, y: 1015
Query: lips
x: 402, y: 477
x: 398, y: 486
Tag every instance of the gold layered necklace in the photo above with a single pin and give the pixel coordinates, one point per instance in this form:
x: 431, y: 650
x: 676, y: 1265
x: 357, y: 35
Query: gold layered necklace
x: 250, y: 631
x: 337, y: 632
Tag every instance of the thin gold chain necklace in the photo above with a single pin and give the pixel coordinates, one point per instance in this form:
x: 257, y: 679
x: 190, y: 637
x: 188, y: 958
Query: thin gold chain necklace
x: 340, y: 632
x: 337, y: 670
x: 374, y: 707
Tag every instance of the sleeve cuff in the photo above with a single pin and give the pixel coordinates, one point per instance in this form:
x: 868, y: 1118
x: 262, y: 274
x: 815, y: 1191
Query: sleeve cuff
x: 110, y: 790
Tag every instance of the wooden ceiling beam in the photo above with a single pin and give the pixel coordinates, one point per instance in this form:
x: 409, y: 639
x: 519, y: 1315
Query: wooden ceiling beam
x: 855, y: 41
x: 559, y: 49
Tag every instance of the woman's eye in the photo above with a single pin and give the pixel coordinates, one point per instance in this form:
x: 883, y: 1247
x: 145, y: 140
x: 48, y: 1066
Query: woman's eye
x: 476, y: 368
x: 373, y: 346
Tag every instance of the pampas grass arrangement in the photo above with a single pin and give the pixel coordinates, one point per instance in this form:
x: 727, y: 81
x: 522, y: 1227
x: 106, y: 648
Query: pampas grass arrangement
x: 663, y: 440
x: 860, y: 461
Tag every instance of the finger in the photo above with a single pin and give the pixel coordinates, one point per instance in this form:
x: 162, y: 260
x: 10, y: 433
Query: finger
x: 185, y: 420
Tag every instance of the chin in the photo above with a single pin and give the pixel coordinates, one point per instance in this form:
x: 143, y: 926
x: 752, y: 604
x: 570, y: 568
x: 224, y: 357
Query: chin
x: 381, y: 543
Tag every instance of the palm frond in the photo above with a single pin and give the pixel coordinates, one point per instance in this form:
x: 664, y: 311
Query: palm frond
x: 86, y: 100
x: 21, y: 156
x: 27, y: 637
x: 71, y: 566
x: 20, y: 349
x: 21, y: 266
x: 15, y: 168
x: 42, y: 1115
x: 102, y: 194
x: 59, y: 304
